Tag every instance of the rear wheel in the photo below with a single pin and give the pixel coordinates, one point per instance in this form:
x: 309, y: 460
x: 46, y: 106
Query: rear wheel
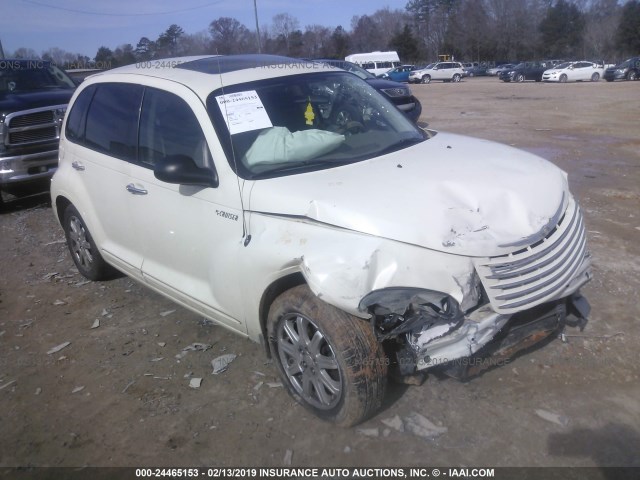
x: 426, y: 79
x: 457, y: 77
x: 330, y: 361
x: 595, y: 77
x: 84, y: 251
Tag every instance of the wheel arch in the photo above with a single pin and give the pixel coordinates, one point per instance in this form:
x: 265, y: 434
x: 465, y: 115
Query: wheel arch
x: 276, y: 288
x: 61, y: 204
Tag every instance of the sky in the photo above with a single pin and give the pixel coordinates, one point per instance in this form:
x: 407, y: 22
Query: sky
x: 78, y: 26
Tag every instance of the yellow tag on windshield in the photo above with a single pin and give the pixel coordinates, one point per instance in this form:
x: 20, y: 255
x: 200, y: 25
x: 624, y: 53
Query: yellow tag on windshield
x: 308, y: 114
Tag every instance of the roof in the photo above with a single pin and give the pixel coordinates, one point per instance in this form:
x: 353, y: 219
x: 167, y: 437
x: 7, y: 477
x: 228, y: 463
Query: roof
x: 208, y: 72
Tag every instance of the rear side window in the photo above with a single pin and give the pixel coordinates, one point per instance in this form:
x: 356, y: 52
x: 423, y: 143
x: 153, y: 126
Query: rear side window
x: 78, y: 115
x: 169, y: 127
x: 112, y: 121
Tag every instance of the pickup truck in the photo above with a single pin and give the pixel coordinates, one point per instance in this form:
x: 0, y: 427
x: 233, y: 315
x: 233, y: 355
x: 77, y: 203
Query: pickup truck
x: 33, y: 99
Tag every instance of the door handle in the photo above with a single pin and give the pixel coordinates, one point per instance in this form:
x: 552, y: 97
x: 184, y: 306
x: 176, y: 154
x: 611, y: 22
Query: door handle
x: 78, y: 166
x: 131, y: 188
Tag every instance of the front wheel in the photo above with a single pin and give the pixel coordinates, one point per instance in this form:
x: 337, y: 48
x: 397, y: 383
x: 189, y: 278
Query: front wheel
x: 631, y: 75
x: 84, y: 251
x: 563, y: 78
x: 330, y: 361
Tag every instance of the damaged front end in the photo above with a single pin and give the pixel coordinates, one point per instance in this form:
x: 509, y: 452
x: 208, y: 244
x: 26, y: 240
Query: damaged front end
x: 423, y: 329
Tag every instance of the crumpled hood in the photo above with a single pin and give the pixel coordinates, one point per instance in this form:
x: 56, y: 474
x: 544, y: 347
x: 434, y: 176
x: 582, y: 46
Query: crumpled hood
x: 450, y: 193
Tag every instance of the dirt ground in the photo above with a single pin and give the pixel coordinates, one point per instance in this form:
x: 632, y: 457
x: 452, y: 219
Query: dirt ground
x: 118, y: 396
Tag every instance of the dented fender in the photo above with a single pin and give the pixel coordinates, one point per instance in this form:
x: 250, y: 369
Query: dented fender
x: 342, y: 266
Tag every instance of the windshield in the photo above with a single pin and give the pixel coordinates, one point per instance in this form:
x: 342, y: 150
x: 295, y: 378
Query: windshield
x: 300, y: 123
x: 29, y: 75
x: 626, y: 63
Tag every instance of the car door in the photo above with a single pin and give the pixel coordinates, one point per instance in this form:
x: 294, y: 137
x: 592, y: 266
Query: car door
x: 582, y: 71
x: 102, y: 129
x: 191, y: 234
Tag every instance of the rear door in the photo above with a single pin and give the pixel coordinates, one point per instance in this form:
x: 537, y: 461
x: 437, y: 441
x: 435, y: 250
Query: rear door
x: 102, y: 126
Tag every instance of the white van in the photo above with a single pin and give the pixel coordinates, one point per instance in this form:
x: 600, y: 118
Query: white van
x: 375, y: 62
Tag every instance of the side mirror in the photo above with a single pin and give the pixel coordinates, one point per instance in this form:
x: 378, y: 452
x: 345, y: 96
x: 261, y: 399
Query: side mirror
x: 182, y: 170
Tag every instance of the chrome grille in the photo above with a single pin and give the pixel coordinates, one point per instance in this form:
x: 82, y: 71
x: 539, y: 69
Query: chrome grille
x: 32, y: 126
x: 32, y: 119
x: 537, y: 273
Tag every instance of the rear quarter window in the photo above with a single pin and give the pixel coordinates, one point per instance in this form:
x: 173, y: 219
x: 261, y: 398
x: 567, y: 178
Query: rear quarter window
x: 78, y: 115
x: 112, y: 120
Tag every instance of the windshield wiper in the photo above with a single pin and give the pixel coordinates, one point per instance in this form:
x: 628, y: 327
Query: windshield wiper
x: 288, y: 166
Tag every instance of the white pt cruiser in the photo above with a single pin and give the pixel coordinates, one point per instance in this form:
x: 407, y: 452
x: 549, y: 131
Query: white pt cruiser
x: 293, y: 204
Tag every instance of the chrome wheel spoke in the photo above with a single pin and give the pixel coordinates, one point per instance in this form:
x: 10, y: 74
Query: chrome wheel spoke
x: 332, y: 385
x: 308, y: 361
x: 326, y: 363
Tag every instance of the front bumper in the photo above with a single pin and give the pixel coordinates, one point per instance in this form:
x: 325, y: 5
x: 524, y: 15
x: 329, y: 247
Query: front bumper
x: 17, y: 170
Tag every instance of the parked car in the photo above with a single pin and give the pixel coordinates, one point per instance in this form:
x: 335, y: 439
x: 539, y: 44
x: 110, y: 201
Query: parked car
x: 398, y: 93
x: 500, y: 68
x: 582, y: 71
x: 627, y: 70
x: 445, y: 71
x: 524, y: 71
x: 475, y: 71
x: 33, y: 98
x: 232, y: 186
x: 398, y: 74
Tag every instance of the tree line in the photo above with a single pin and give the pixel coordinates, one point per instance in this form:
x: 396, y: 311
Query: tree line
x: 470, y: 30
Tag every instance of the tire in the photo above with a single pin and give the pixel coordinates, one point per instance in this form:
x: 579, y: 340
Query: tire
x: 456, y: 78
x: 426, y: 79
x: 595, y: 77
x: 83, y: 249
x: 330, y: 361
x: 632, y: 75
x: 563, y: 78
x: 519, y: 78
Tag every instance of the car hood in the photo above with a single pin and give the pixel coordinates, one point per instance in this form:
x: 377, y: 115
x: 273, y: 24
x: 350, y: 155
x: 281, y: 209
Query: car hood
x: 15, y: 101
x: 451, y: 193
x: 380, y: 83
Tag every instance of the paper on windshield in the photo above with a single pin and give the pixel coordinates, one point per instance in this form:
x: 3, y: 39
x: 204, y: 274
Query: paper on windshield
x: 243, y: 111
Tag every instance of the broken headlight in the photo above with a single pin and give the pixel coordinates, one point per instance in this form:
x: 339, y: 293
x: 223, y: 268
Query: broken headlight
x: 399, y: 310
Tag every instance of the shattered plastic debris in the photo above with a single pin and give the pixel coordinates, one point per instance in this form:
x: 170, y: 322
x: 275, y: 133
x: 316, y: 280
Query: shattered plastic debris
x: 167, y: 312
x: 421, y: 426
x: 50, y: 275
x: 221, y: 363
x: 274, y: 384
x: 369, y: 432
x: 59, y: 302
x: 288, y: 457
x: 552, y: 417
x: 162, y: 344
x: 78, y: 389
x: 96, y: 323
x: 194, y: 347
x: 38, y: 391
x: 58, y: 348
x: 395, y: 423
x: 195, y: 382
x: 2, y: 387
x: 157, y: 359
x: 258, y: 386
